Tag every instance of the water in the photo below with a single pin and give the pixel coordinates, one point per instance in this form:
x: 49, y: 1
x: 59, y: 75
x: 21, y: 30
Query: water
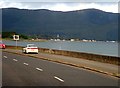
x: 99, y: 47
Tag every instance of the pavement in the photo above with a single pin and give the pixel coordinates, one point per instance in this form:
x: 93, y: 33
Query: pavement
x: 105, y: 68
x: 19, y: 70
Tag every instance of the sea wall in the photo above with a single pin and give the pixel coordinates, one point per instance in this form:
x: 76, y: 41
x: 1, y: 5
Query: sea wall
x: 89, y: 56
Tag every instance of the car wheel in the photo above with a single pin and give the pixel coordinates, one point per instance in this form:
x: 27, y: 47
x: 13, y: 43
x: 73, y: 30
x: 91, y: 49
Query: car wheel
x: 26, y: 52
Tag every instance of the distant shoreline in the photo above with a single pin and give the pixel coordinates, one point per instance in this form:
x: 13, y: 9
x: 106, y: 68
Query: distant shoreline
x: 42, y: 40
x: 45, y: 40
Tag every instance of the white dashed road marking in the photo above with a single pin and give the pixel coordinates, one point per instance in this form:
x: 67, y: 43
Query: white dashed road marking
x: 15, y: 60
x: 39, y: 69
x: 58, y: 78
x: 5, y: 56
x: 25, y: 63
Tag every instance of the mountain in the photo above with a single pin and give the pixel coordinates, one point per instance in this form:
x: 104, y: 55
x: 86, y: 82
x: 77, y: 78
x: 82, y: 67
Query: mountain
x: 82, y: 24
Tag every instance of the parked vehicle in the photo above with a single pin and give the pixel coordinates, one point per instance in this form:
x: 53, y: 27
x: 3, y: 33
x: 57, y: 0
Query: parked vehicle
x: 2, y: 46
x: 30, y: 48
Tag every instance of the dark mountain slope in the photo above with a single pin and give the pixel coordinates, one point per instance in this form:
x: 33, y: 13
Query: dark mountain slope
x: 82, y: 24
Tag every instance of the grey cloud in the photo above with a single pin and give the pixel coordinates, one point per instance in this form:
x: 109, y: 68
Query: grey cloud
x: 62, y: 0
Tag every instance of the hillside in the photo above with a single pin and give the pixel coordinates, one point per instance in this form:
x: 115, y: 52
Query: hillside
x: 82, y: 24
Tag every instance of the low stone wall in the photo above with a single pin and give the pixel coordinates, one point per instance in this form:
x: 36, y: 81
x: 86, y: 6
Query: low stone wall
x: 94, y: 57
x: 13, y: 47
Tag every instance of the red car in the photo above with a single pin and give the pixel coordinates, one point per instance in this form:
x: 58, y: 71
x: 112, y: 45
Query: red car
x: 2, y: 46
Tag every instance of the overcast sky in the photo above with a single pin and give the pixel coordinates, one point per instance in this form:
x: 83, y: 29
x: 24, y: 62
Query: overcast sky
x: 62, y: 5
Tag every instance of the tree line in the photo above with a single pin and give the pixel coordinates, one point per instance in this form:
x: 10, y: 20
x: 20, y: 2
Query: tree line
x: 10, y: 35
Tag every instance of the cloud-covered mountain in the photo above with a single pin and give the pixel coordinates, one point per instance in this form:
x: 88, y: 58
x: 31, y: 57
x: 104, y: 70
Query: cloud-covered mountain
x: 82, y: 24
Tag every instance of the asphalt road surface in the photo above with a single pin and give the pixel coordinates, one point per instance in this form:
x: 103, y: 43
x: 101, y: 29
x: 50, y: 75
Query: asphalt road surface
x: 20, y: 70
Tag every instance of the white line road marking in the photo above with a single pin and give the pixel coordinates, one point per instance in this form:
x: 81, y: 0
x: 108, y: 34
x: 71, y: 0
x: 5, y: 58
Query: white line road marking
x: 25, y: 63
x: 39, y: 69
x: 58, y: 78
x: 15, y: 60
x: 5, y: 56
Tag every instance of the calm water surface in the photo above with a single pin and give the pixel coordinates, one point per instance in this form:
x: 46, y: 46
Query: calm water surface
x: 99, y: 47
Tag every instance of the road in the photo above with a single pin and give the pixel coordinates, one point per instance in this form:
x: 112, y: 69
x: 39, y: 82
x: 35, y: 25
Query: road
x: 18, y: 70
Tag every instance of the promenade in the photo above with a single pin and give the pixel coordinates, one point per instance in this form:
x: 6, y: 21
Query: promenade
x: 105, y: 68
